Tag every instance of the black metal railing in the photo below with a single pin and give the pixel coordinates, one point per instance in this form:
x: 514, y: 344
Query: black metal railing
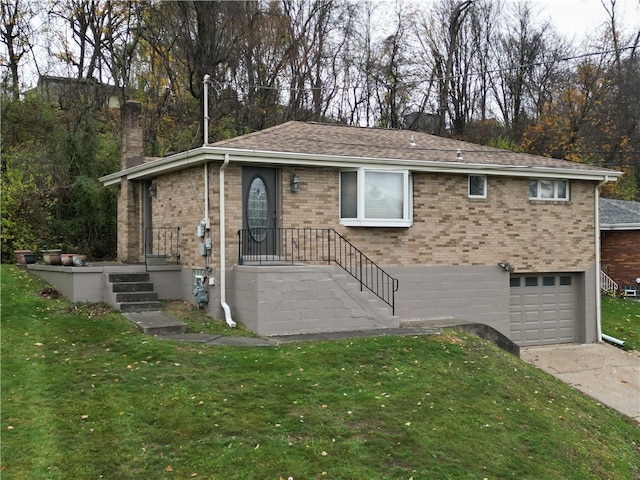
x: 315, y: 245
x: 162, y: 245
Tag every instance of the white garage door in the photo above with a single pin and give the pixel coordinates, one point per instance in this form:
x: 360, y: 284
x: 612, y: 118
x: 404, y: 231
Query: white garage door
x: 542, y: 308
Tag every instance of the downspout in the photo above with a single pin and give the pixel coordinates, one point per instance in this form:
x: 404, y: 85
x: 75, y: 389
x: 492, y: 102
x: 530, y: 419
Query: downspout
x: 223, y: 266
x: 222, y: 250
x: 206, y: 193
x: 598, y: 286
x: 205, y: 128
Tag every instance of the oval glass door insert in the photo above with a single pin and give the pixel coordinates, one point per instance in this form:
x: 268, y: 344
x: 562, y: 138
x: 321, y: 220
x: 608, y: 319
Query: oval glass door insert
x: 257, y: 209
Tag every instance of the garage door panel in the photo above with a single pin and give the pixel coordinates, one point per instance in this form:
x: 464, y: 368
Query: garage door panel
x: 542, y: 311
x: 566, y: 332
x: 565, y: 298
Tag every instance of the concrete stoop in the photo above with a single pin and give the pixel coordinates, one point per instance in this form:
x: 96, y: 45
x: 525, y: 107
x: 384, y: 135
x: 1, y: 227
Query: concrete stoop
x: 157, y: 323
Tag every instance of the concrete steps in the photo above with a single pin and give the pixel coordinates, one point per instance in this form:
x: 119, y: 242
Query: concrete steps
x: 157, y: 323
x: 133, y: 292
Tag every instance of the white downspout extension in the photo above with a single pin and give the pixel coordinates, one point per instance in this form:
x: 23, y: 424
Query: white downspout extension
x: 598, y: 268
x: 223, y: 266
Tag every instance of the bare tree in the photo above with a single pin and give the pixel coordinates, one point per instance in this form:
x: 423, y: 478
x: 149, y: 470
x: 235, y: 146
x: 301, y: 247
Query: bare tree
x: 526, y: 52
x: 440, y: 35
x: 16, y: 34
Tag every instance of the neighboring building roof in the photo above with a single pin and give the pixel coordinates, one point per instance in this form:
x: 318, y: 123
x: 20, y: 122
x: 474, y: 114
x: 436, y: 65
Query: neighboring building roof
x: 619, y: 214
x: 320, y: 144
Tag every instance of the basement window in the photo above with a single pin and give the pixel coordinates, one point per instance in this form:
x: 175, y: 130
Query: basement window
x: 375, y: 198
x: 548, y: 189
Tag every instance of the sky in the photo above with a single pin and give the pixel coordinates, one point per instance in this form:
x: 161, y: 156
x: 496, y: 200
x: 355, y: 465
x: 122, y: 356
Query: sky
x: 579, y: 18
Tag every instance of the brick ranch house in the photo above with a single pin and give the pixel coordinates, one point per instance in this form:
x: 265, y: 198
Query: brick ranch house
x: 309, y: 227
x: 620, y: 244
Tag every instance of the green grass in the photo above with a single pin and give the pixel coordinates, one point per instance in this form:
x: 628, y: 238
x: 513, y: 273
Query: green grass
x: 198, y: 321
x: 85, y: 396
x: 621, y: 319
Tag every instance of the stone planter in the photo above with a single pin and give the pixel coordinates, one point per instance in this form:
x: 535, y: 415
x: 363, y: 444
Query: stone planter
x: 67, y: 259
x: 79, y: 260
x: 20, y: 256
x: 52, y: 257
x: 30, y: 258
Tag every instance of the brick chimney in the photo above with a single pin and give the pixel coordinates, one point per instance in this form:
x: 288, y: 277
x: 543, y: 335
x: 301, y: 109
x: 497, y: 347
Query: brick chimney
x: 132, y: 135
x: 129, y: 198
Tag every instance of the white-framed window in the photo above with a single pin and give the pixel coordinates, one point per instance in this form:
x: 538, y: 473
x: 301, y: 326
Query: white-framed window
x: 477, y: 186
x: 548, y: 189
x: 375, y: 198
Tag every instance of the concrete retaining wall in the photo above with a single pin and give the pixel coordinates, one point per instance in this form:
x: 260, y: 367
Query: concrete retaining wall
x: 90, y: 283
x: 478, y: 294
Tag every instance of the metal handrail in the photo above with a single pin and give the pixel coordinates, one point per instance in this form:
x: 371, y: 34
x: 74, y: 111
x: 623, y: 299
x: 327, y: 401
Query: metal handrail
x: 607, y: 284
x: 322, y: 245
x: 162, y: 242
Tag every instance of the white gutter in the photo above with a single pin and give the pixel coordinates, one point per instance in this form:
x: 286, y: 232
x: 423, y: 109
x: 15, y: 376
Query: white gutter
x: 598, y: 267
x: 211, y: 153
x: 620, y: 226
x: 223, y: 250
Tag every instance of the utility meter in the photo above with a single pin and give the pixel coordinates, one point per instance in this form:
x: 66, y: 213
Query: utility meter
x: 201, y: 228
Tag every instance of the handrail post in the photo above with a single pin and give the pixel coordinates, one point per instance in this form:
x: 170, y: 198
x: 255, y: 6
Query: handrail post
x: 361, y: 277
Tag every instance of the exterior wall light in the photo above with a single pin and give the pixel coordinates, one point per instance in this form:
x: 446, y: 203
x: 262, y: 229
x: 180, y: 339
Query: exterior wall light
x: 507, y: 266
x: 152, y: 190
x: 295, y: 182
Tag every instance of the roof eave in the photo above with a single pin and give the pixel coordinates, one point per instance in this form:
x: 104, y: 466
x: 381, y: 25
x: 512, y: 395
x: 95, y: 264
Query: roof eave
x: 209, y: 153
x: 619, y: 226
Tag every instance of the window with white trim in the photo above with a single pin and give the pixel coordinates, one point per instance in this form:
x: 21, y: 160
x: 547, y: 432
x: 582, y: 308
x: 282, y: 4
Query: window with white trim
x: 548, y: 189
x: 477, y: 186
x: 375, y: 198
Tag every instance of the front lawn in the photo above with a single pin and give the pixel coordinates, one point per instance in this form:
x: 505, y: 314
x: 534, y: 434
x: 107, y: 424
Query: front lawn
x: 86, y: 396
x: 621, y: 319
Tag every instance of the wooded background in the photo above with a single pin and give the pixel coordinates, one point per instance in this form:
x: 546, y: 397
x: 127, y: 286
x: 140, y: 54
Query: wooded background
x: 485, y: 71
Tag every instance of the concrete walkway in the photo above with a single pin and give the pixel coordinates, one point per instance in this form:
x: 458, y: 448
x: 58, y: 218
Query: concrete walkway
x: 604, y: 372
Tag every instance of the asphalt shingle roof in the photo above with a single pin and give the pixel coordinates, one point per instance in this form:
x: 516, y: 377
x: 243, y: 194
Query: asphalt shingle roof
x: 365, y: 142
x: 619, y: 212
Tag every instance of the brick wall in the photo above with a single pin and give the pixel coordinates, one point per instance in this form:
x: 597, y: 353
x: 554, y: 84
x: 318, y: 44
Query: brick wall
x: 451, y: 229
x: 448, y: 229
x: 620, y: 255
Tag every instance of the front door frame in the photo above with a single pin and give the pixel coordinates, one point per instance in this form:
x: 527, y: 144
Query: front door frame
x: 255, y: 179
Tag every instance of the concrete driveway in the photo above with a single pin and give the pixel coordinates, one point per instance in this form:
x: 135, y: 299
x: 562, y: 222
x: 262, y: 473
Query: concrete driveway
x: 602, y: 371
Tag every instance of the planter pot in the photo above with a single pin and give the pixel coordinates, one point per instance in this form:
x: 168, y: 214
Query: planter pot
x: 79, y: 260
x: 20, y: 255
x: 52, y: 257
x: 30, y: 258
x: 67, y: 259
